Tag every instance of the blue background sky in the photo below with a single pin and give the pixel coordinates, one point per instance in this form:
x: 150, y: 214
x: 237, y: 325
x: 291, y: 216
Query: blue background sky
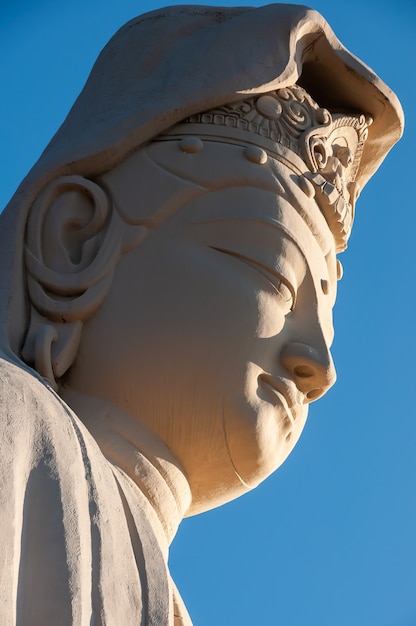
x: 329, y: 540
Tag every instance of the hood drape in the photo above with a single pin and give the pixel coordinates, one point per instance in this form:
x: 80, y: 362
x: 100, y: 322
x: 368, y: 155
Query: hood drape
x: 171, y: 63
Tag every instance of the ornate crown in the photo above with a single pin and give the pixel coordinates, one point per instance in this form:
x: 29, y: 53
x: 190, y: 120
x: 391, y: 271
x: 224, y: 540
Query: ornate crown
x: 288, y: 122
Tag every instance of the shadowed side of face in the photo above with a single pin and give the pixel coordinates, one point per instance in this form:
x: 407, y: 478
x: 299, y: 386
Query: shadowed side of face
x: 217, y: 328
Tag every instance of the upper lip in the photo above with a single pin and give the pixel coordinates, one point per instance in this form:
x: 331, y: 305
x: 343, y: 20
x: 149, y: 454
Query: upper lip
x: 285, y: 389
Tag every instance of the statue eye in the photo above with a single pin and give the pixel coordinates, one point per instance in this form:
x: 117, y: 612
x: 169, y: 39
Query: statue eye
x: 280, y: 285
x: 286, y: 294
x: 282, y: 288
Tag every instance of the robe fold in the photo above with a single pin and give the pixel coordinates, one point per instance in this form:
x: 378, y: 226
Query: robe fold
x: 77, y: 547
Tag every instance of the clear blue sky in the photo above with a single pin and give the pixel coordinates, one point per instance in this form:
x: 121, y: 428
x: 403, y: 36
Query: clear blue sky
x: 329, y: 540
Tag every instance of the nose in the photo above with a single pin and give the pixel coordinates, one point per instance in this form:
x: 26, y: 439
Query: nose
x: 312, y: 369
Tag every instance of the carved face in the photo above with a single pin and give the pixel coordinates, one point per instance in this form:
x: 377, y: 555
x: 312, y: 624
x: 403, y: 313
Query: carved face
x: 216, y: 335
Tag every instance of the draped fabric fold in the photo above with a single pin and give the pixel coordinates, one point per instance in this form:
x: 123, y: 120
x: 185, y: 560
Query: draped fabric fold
x: 77, y: 547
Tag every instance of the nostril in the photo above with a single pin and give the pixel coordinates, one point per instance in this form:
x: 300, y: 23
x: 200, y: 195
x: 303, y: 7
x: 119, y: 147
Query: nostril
x: 311, y: 370
x: 314, y: 394
x: 303, y: 371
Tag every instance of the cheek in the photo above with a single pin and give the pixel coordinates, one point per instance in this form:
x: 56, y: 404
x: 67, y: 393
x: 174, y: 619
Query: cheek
x: 212, y: 299
x: 194, y: 314
x: 190, y: 320
x: 271, y: 318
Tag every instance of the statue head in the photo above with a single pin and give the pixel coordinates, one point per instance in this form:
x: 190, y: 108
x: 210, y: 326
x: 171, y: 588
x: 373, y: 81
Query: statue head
x: 176, y: 242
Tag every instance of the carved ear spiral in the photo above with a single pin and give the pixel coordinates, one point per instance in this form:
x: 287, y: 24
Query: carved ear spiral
x: 73, y: 242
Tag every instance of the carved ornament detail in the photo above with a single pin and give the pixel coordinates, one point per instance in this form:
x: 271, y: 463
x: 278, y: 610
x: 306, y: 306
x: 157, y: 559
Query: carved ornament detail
x: 288, y: 121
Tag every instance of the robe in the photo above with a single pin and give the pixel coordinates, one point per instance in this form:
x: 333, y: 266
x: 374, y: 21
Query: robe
x: 77, y: 546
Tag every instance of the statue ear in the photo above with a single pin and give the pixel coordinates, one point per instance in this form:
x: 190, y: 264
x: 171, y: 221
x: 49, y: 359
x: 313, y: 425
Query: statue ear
x: 73, y: 242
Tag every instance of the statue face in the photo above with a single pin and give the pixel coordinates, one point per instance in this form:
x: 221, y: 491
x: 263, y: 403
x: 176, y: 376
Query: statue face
x: 216, y: 335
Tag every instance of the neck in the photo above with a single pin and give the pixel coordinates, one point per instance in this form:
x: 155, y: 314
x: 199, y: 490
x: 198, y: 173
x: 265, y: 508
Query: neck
x: 142, y: 456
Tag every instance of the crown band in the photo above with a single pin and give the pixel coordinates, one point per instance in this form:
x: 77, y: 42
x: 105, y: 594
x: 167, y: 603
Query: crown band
x: 290, y: 126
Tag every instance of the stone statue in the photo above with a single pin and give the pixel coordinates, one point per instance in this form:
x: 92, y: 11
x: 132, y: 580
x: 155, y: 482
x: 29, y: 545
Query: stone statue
x: 168, y: 275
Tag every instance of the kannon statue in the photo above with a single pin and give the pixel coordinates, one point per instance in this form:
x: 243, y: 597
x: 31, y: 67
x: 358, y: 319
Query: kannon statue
x: 168, y: 272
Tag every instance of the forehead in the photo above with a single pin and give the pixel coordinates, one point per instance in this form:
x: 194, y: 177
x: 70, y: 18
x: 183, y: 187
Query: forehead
x: 216, y: 165
x: 220, y: 185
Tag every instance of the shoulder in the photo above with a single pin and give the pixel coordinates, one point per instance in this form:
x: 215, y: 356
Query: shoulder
x: 61, y: 516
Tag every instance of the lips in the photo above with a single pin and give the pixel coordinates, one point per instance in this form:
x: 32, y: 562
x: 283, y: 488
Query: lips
x: 286, y: 396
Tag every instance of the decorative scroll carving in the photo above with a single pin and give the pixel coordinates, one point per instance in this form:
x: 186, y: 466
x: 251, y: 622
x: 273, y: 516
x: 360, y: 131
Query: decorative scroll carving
x: 290, y: 121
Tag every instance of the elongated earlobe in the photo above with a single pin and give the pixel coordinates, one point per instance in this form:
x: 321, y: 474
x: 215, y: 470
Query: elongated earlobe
x: 73, y: 242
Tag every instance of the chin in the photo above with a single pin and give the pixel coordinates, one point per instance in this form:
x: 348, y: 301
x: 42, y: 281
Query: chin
x: 261, y: 443
x: 233, y: 483
x: 216, y: 497
x: 256, y: 444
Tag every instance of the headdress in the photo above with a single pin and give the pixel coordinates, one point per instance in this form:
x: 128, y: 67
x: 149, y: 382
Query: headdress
x: 166, y: 66
x: 287, y: 124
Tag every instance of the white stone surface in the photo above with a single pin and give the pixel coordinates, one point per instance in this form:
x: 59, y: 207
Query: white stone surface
x: 174, y: 300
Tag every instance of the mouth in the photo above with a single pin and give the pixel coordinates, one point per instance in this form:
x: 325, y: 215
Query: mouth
x: 285, y: 395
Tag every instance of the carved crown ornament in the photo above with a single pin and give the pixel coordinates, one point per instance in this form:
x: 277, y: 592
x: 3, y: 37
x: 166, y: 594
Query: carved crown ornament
x: 324, y: 148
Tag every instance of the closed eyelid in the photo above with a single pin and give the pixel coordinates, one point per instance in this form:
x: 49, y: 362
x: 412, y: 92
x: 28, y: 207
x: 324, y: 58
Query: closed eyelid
x: 270, y: 274
x: 260, y: 239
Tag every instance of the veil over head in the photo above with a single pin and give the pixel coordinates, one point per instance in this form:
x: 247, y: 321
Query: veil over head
x: 171, y: 63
